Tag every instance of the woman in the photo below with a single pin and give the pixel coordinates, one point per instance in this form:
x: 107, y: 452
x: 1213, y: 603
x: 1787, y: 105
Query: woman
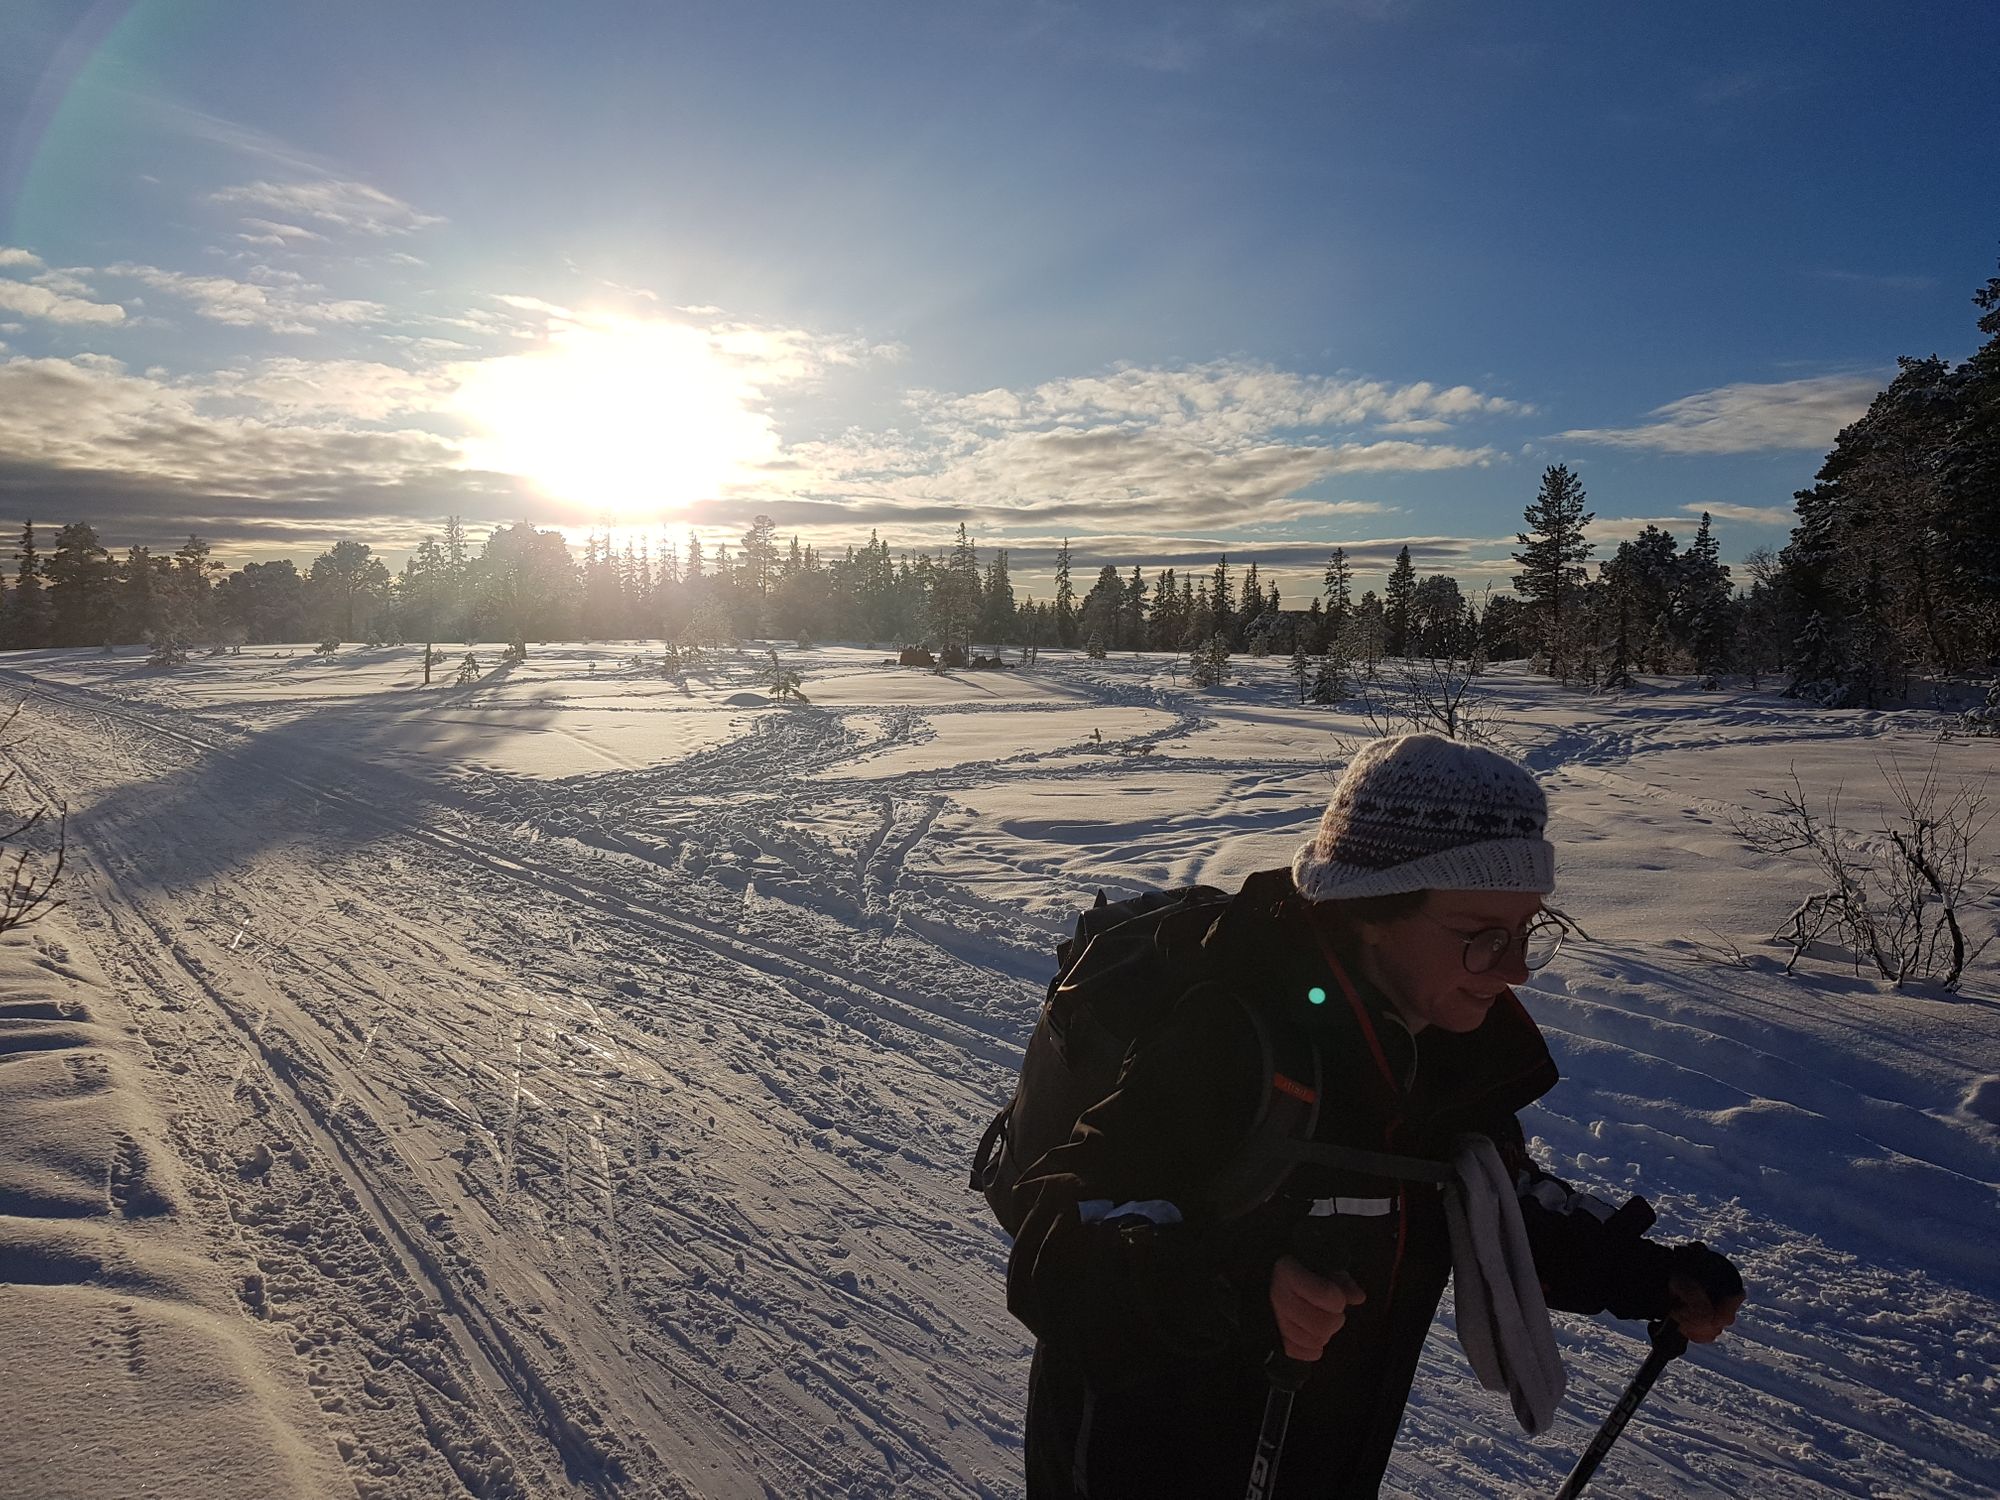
x: 1394, y: 941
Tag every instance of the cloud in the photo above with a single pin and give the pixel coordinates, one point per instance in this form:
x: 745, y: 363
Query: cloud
x: 53, y: 307
x: 277, y: 301
x: 1220, y: 401
x: 278, y: 236
x: 1226, y: 445
x: 143, y: 456
x: 1755, y: 515
x: 1607, y: 531
x: 353, y: 207
x: 1747, y: 418
x: 10, y: 256
x: 295, y: 389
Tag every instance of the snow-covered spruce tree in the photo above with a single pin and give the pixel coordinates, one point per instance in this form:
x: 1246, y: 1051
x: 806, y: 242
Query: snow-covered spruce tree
x: 168, y: 651
x: 1094, y: 647
x: 1704, y: 606
x: 1300, y: 668
x: 517, y: 650
x: 1820, y: 669
x: 1208, y: 663
x: 468, y: 670
x: 1329, y: 683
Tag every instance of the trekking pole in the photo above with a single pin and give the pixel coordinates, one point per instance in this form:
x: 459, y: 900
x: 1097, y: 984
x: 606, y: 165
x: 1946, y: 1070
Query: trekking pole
x: 1669, y: 1344
x: 1286, y: 1376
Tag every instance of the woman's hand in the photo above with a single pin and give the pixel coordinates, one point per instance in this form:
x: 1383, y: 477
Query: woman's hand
x: 1311, y: 1309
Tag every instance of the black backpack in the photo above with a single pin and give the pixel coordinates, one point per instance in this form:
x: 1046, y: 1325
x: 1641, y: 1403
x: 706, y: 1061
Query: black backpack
x: 1127, y: 966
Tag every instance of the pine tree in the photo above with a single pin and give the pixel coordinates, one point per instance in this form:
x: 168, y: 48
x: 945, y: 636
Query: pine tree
x: 1102, y: 607
x: 1065, y: 614
x: 1338, y: 590
x: 1132, y: 621
x: 1551, y: 556
x: 1221, y: 606
x: 27, y: 623
x: 1704, y: 605
x: 1368, y: 632
x: 1251, y: 608
x: 1301, y: 668
x: 80, y: 579
x: 1397, y: 605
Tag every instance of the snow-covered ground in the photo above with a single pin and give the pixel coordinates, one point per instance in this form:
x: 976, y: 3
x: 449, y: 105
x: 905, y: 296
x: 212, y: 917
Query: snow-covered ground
x: 564, y: 1085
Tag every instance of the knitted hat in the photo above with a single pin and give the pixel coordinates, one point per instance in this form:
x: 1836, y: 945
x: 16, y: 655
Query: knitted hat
x: 1421, y: 812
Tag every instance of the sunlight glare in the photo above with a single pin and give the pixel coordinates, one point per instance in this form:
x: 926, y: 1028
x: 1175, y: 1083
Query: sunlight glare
x: 621, y: 417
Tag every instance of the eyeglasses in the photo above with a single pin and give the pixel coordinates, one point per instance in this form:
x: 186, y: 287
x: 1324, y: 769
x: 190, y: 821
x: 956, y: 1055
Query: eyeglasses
x: 1485, y: 950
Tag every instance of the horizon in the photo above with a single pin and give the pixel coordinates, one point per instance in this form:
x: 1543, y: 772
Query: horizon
x: 1171, y: 282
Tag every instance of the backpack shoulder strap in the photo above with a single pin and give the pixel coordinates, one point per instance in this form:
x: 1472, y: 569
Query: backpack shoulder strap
x: 1287, y: 1112
x: 1280, y: 1137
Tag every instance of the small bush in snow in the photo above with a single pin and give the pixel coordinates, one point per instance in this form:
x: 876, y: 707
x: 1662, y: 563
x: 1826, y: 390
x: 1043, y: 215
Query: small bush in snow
x: 517, y: 650
x: 1094, y: 647
x: 468, y: 670
x: 28, y: 880
x: 327, y: 647
x: 168, y: 651
x: 1897, y: 896
x: 782, y: 679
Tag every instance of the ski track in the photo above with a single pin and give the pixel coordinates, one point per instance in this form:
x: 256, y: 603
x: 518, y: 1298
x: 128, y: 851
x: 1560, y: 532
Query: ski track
x: 606, y: 1135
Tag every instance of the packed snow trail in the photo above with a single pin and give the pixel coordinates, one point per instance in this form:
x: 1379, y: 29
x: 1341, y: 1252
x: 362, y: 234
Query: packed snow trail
x: 653, y: 1213
x: 605, y: 1131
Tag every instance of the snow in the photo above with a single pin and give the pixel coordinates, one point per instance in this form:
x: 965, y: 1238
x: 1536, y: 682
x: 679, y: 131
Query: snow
x: 564, y: 1085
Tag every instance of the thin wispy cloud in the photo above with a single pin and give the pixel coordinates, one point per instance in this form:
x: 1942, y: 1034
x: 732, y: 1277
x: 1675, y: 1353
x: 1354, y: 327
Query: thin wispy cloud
x: 1882, y: 282
x: 1756, y: 515
x: 354, y: 207
x: 276, y: 301
x: 278, y: 236
x: 1746, y: 418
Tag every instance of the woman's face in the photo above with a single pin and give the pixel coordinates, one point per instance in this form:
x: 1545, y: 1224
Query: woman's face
x: 1418, y: 960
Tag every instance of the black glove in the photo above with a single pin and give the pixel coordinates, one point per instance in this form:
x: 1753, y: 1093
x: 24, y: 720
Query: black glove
x: 1704, y: 1290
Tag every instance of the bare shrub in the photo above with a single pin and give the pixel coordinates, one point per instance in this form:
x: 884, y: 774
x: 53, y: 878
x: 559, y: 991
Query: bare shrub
x: 1430, y: 695
x: 28, y: 878
x: 1898, y: 895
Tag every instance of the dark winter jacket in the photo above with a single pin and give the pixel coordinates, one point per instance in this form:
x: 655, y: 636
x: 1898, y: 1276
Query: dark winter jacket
x: 1153, y: 1317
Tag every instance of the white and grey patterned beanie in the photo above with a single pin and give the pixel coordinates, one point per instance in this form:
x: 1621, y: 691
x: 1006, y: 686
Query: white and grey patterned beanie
x: 1421, y: 812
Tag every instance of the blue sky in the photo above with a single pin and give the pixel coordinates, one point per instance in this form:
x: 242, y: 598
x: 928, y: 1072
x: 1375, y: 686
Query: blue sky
x: 1167, y: 279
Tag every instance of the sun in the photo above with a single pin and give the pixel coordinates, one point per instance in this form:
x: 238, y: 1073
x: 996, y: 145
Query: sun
x: 623, y: 418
